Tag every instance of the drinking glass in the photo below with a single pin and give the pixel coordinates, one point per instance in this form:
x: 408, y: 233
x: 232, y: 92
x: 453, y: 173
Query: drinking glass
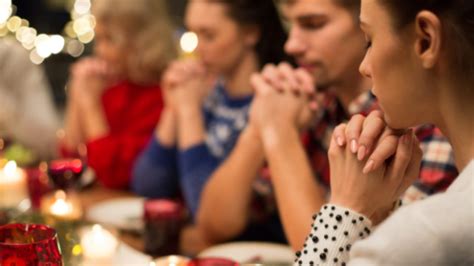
x: 212, y: 261
x: 65, y: 173
x: 29, y: 244
x: 163, y: 223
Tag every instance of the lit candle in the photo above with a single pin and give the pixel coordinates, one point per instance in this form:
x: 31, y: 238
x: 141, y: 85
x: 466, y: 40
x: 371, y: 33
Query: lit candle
x: 13, y: 187
x: 172, y: 260
x: 61, y: 206
x: 98, y: 246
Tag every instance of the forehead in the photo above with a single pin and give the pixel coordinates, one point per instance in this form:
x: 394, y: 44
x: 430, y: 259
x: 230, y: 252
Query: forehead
x: 366, y: 8
x: 373, y: 14
x: 297, y: 8
x: 201, y: 13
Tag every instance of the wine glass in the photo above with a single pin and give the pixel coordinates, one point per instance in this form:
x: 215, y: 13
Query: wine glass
x: 29, y: 244
x: 66, y: 173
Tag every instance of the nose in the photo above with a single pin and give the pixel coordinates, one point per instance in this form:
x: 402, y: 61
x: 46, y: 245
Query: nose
x: 364, y: 67
x: 295, y: 44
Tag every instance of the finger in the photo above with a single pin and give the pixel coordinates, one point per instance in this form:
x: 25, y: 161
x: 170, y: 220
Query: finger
x: 403, y: 154
x: 259, y: 84
x: 287, y: 75
x: 305, y: 81
x: 270, y: 75
x: 335, y: 149
x: 384, y: 150
x: 353, y: 130
x: 339, y: 134
x: 413, y: 168
x: 373, y: 127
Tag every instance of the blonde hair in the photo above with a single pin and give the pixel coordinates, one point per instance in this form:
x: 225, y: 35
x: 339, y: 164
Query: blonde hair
x: 146, y: 27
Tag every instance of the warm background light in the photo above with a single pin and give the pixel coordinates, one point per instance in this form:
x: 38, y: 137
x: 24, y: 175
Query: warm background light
x: 189, y: 42
x: 76, y: 33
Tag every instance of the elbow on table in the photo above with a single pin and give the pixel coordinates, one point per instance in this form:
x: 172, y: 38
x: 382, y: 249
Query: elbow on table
x: 218, y: 230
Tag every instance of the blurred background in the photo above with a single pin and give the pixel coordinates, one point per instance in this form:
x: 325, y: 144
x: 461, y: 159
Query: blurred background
x: 57, y: 33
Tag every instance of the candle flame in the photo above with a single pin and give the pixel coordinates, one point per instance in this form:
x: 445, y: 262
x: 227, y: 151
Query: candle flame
x: 10, y: 168
x: 61, y: 207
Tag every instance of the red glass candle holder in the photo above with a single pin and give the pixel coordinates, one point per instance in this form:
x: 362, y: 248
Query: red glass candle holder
x: 163, y: 223
x: 29, y: 244
x: 38, y: 183
x: 212, y: 262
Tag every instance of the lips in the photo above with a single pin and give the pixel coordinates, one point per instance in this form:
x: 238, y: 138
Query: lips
x: 307, y: 66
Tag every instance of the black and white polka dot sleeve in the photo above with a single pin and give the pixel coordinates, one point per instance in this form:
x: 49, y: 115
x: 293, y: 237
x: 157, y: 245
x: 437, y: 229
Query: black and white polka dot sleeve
x: 333, y: 231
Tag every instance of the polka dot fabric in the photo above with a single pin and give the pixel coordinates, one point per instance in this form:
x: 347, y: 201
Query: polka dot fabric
x: 333, y: 231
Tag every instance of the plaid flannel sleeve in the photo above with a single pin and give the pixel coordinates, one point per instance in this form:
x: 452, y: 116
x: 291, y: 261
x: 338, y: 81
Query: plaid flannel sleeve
x: 438, y: 169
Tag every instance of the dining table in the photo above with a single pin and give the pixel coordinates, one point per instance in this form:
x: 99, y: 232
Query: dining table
x: 190, y: 244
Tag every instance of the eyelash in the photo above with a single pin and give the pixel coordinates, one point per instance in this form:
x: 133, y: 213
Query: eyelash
x: 368, y: 45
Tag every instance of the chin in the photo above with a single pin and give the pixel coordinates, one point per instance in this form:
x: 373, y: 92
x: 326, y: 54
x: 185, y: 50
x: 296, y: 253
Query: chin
x: 397, y: 123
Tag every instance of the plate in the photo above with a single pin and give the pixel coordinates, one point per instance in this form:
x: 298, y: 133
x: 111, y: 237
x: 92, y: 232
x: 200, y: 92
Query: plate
x: 252, y: 252
x: 122, y: 213
x: 127, y: 256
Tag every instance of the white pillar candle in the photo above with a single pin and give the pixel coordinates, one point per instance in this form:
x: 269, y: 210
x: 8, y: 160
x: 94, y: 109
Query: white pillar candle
x: 13, y: 186
x: 98, y: 246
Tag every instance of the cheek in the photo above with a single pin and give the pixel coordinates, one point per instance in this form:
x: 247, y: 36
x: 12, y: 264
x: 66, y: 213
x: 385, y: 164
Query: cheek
x: 223, y: 54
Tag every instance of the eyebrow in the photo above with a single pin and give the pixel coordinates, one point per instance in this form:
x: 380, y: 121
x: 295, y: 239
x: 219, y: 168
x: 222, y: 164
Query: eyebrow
x: 305, y: 17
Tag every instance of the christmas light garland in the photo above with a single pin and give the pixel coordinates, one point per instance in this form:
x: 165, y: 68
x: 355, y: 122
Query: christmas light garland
x: 76, y: 33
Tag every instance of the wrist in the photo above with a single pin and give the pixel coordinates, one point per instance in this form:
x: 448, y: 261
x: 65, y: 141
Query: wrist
x: 188, y: 110
x: 251, y: 139
x: 279, y: 138
x: 89, y: 102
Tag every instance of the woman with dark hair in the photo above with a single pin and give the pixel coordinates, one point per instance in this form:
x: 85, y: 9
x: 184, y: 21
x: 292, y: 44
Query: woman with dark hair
x: 421, y: 62
x: 207, y: 99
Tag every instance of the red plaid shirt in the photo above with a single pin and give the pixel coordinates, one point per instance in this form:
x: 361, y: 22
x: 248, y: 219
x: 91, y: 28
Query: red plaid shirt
x: 437, y: 168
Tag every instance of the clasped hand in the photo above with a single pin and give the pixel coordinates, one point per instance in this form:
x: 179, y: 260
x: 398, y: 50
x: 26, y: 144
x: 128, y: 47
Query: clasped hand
x: 284, y: 98
x: 89, y: 77
x: 371, y: 165
x: 185, y: 84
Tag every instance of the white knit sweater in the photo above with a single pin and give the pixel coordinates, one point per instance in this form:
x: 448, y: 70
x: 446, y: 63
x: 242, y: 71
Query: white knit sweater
x: 436, y: 231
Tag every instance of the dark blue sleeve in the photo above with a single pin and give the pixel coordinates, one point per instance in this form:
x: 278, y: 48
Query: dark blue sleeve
x: 155, y: 174
x: 196, y: 165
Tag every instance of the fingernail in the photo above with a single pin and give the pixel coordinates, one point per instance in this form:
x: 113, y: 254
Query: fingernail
x: 354, y: 146
x: 368, y: 167
x: 361, y: 152
x: 340, y: 141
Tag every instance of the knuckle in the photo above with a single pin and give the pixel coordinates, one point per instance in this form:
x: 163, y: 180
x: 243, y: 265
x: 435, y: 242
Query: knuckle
x: 358, y: 117
x: 333, y: 151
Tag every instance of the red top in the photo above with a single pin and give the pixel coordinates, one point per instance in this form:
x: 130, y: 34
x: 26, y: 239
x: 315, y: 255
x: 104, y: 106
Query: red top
x: 132, y: 113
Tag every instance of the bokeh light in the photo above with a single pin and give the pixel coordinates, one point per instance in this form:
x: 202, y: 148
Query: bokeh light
x: 35, y: 57
x: 189, y: 42
x: 77, y: 32
x: 5, y: 10
x: 75, y: 48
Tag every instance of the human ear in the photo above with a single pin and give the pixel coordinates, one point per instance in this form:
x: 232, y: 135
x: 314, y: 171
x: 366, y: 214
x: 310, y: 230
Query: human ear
x: 428, y: 38
x: 251, y: 35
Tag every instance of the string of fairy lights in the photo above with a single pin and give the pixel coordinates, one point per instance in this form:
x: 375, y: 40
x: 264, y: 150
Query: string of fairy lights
x: 76, y: 33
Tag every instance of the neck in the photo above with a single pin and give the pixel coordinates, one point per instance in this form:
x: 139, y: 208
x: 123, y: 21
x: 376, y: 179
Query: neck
x: 238, y: 80
x: 455, y: 121
x: 348, y: 90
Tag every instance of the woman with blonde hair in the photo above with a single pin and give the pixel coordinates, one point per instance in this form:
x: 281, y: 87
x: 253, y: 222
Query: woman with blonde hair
x: 114, y: 96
